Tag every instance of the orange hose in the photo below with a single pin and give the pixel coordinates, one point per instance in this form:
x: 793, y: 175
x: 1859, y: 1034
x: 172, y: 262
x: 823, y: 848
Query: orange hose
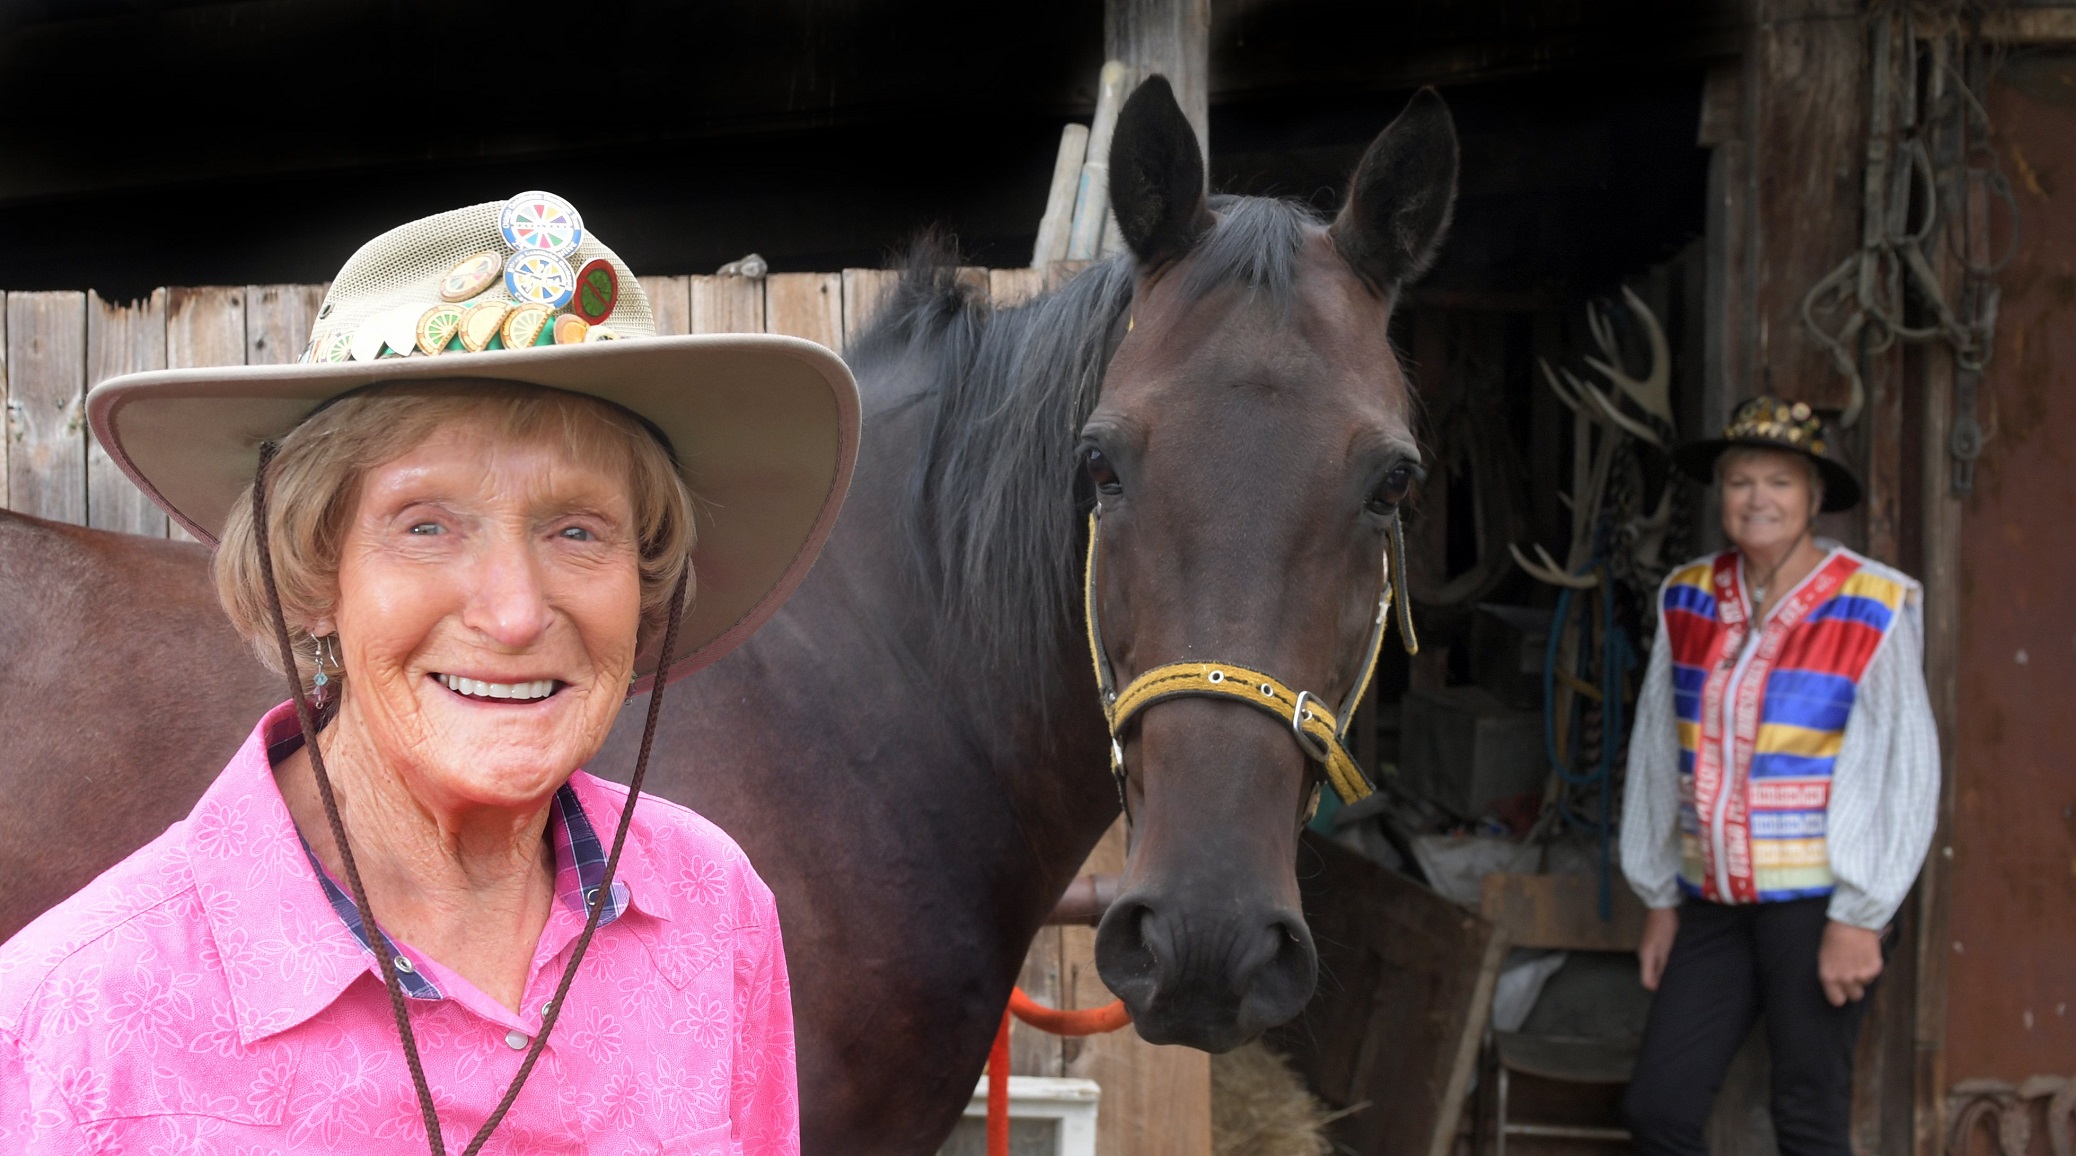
x: 1087, y: 1022
x: 1060, y: 1022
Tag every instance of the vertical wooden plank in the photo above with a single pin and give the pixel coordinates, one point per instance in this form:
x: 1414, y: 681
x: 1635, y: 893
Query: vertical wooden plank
x: 1173, y: 38
x: 726, y: 304
x: 670, y: 303
x: 1156, y: 1100
x: 1008, y: 287
x: 278, y: 319
x: 864, y: 291
x: 46, y: 412
x: 808, y: 305
x: 121, y: 338
x: 204, y: 326
x: 1032, y: 1052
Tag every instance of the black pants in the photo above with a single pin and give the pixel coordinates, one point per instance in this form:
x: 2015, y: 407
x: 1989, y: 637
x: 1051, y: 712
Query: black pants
x: 1728, y: 965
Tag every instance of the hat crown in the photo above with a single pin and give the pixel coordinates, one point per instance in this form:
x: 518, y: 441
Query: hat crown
x: 1789, y: 424
x: 384, y: 290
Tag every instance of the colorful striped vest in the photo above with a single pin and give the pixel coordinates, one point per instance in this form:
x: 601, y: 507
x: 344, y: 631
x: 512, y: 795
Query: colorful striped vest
x: 1753, y: 802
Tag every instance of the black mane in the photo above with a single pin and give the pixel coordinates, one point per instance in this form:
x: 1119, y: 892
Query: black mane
x: 996, y: 504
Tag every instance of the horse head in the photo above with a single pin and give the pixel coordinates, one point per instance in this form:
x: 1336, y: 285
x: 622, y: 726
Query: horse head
x: 1249, y: 452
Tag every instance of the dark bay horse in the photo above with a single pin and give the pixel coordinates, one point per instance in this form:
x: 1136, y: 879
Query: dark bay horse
x: 912, y: 752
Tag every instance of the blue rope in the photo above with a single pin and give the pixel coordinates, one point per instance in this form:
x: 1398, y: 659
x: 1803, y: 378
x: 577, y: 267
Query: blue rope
x: 1616, y: 659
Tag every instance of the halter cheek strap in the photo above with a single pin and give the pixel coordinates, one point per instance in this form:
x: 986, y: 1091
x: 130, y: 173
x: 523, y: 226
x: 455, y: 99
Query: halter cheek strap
x: 1320, y: 733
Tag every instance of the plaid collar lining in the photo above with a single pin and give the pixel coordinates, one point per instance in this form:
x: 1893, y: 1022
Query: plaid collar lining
x: 580, y: 861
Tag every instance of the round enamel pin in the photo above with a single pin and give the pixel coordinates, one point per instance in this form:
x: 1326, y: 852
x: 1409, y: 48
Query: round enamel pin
x: 523, y: 326
x: 601, y: 333
x: 471, y: 276
x: 437, y: 327
x: 540, y: 220
x: 598, y: 290
x: 571, y: 329
x: 538, y: 277
x: 337, y: 346
x: 481, y: 323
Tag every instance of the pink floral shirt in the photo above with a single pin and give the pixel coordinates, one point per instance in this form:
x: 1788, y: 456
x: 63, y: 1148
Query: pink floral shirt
x: 204, y: 996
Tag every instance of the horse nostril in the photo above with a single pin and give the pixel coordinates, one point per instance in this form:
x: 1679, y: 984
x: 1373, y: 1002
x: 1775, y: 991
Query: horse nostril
x: 1130, y: 947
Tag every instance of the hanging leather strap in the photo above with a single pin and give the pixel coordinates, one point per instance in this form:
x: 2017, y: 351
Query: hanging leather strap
x: 1320, y: 733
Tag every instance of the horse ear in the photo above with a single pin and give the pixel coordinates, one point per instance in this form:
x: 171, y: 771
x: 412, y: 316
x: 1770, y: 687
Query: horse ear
x: 1157, y: 175
x: 1399, y: 203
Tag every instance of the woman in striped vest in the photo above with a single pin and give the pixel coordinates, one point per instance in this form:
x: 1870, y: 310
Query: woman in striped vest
x: 1782, y: 790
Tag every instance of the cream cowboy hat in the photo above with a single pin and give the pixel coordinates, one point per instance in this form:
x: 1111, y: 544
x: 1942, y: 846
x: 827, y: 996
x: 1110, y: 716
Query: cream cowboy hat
x: 764, y: 427
x: 1772, y: 423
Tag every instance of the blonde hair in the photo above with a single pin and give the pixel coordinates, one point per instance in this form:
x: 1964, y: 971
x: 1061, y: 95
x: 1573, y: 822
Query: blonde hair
x: 315, y: 477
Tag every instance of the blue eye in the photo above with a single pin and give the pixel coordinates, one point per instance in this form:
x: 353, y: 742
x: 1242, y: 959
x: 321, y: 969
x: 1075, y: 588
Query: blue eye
x: 426, y: 528
x: 576, y: 534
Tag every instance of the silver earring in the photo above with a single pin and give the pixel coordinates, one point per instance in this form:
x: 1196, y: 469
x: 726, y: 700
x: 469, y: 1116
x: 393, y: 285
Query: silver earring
x: 327, y: 656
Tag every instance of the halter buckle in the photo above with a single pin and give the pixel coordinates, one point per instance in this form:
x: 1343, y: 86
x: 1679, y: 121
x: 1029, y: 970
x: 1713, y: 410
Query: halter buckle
x: 1299, y: 716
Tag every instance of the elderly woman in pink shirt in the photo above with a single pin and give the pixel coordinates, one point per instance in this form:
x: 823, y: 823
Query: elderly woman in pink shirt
x: 404, y: 916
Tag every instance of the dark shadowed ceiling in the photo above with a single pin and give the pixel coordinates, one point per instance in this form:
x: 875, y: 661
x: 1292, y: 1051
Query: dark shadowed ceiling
x: 149, y: 142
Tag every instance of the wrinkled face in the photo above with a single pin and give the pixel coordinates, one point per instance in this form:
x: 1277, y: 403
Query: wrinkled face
x: 489, y: 600
x: 1247, y: 460
x: 1768, y: 499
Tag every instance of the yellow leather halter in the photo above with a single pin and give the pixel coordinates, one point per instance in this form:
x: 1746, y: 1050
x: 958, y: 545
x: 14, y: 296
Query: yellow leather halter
x: 1319, y: 732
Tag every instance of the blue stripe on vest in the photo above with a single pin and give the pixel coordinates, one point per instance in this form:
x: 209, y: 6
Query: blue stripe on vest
x: 1853, y: 608
x: 1686, y: 761
x: 1778, y: 766
x: 1692, y: 599
x: 1782, y: 896
x: 1808, y: 698
x: 1687, y: 684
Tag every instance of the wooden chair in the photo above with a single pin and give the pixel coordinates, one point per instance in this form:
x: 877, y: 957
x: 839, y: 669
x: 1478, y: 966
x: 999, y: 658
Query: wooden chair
x: 1557, y: 912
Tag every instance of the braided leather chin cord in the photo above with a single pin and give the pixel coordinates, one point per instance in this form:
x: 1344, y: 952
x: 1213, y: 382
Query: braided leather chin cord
x: 307, y: 718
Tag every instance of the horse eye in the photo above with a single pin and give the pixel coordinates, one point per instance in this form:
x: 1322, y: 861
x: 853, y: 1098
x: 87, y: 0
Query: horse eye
x: 1099, y: 472
x: 1391, y: 490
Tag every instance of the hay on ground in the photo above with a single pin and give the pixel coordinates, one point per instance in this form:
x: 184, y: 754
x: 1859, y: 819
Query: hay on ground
x: 1260, y: 1107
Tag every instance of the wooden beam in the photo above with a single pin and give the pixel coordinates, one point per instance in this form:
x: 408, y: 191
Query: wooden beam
x: 1169, y: 37
x: 670, y: 305
x: 2031, y: 25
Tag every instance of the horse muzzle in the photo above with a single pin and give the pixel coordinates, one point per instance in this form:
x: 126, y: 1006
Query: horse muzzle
x: 1202, y: 970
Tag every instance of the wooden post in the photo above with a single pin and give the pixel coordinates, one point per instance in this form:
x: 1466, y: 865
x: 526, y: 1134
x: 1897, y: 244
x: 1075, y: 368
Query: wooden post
x: 1008, y: 287
x: 1170, y: 37
x: 46, y: 411
x: 806, y: 305
x: 121, y: 339
x: 1156, y: 1100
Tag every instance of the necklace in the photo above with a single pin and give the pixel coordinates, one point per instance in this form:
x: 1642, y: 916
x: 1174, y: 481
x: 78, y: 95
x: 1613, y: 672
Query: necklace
x: 1759, y: 586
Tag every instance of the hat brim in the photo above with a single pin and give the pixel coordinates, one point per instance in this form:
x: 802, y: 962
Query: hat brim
x: 765, y: 428
x: 1698, y: 461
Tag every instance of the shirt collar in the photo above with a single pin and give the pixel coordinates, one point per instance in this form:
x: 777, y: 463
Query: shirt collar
x: 289, y: 937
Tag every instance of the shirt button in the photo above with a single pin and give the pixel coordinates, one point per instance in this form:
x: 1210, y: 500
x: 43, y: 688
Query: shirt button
x: 517, y: 1040
x: 404, y: 965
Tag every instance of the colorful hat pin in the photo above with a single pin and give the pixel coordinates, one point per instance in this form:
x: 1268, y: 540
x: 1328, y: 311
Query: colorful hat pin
x: 538, y: 220
x: 470, y: 276
x: 598, y: 290
x: 523, y: 326
x: 438, y: 327
x: 539, y: 277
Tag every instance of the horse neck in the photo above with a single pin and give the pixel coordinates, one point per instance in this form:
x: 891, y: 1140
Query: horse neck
x: 1030, y: 718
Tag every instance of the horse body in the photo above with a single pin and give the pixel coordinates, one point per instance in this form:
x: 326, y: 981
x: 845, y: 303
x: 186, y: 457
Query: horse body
x: 912, y: 752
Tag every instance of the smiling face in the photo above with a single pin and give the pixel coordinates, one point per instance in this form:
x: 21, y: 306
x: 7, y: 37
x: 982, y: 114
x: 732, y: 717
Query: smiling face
x: 1769, y: 498
x: 489, y: 601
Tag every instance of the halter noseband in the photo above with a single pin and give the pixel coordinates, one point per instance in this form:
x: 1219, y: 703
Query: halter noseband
x: 1319, y: 733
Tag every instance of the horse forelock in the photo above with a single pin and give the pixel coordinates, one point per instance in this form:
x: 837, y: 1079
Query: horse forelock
x: 996, y: 508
